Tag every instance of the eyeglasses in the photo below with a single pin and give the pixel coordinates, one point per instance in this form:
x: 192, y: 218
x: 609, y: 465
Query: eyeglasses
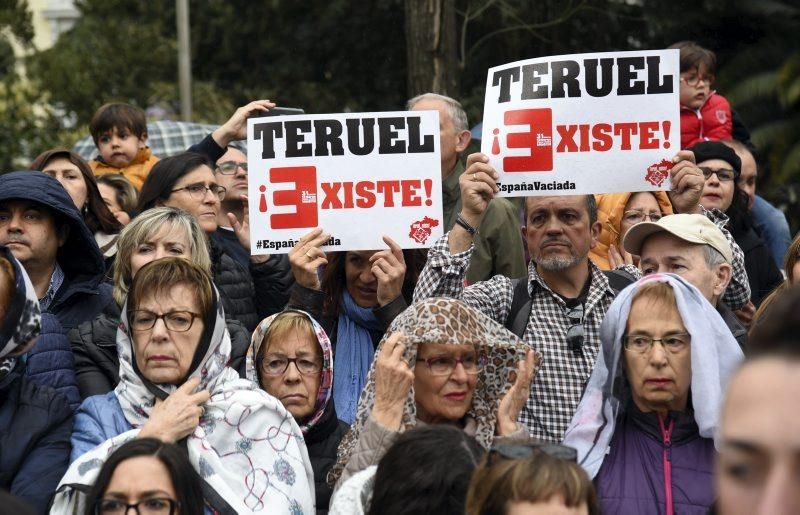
x: 444, y: 365
x: 521, y: 451
x: 635, y: 216
x: 575, y: 332
x: 276, y: 366
x: 723, y: 174
x: 672, y: 343
x: 156, y: 506
x: 176, y: 321
x: 198, y: 191
x: 694, y: 80
x: 229, y: 167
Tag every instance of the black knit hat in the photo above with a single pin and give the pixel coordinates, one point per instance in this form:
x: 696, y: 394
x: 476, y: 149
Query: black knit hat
x: 706, y: 150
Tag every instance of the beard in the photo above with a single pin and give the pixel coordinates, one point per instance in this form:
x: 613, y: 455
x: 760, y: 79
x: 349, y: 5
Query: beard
x: 558, y: 263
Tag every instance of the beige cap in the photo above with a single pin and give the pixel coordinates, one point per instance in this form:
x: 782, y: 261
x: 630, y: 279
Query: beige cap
x: 691, y: 228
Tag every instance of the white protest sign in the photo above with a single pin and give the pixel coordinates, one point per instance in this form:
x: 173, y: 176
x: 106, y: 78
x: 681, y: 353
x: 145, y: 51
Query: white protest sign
x: 359, y: 176
x: 583, y: 123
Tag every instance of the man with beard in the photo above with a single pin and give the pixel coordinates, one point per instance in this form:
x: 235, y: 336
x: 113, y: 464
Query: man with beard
x: 569, y: 295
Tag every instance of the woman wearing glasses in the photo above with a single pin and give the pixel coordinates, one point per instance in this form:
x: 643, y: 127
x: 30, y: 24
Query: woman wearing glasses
x: 150, y: 476
x: 722, y: 168
x: 644, y: 426
x: 618, y: 212
x: 187, y: 181
x: 175, y: 386
x: 291, y: 358
x: 441, y: 362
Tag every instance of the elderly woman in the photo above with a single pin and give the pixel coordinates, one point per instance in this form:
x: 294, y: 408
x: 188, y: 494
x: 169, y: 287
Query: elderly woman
x: 75, y: 175
x: 174, y: 386
x: 358, y: 296
x: 442, y: 362
x: 155, y: 234
x: 644, y: 426
x: 291, y: 358
x: 618, y: 212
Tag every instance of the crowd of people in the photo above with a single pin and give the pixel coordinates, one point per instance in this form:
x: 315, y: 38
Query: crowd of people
x: 644, y: 359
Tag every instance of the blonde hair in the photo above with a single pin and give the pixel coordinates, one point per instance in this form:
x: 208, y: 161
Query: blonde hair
x: 284, y: 324
x: 142, y: 228
x: 499, y: 481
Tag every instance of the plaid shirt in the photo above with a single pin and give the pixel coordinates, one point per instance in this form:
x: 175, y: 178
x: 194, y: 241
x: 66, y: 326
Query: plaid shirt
x: 559, y: 385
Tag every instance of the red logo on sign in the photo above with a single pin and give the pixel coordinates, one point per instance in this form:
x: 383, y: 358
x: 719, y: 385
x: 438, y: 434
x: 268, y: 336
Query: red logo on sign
x: 538, y: 139
x: 658, y: 172
x: 303, y: 197
x: 421, y: 229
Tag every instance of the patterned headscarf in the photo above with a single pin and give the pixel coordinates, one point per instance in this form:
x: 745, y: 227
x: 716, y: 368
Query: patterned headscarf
x: 451, y: 322
x: 247, y: 448
x: 326, y: 375
x: 714, y: 356
x: 22, y: 323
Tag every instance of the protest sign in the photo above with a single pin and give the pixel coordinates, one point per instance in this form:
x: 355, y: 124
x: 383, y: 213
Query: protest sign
x: 583, y: 123
x: 359, y: 176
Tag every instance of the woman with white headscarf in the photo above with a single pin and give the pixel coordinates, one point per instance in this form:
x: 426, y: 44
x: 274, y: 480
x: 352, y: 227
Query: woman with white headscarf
x: 173, y: 347
x: 644, y: 427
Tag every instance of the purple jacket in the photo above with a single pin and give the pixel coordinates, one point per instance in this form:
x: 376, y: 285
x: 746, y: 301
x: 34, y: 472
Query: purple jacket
x: 632, y: 478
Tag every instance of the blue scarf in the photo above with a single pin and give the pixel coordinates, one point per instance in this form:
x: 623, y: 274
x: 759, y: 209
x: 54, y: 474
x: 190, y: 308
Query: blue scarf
x: 353, y: 356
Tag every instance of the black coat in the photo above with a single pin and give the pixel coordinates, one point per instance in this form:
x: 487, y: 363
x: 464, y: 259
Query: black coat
x: 35, y: 430
x: 322, y: 442
x: 94, y: 345
x: 250, y: 295
x: 762, y: 274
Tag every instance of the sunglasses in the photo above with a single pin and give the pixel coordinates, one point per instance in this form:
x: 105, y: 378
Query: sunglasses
x: 575, y: 333
x: 526, y: 450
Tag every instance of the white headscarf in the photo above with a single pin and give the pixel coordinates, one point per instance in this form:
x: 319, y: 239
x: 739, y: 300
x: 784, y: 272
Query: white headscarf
x: 247, y: 448
x: 714, y: 354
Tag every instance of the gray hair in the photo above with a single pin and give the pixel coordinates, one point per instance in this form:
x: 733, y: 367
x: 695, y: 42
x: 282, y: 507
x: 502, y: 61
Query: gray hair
x: 454, y: 109
x: 712, y: 256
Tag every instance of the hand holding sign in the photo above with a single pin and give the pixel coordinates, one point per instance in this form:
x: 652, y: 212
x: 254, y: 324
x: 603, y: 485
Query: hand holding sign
x: 389, y: 267
x: 478, y: 187
x: 687, y: 183
x: 242, y: 229
x: 306, y: 257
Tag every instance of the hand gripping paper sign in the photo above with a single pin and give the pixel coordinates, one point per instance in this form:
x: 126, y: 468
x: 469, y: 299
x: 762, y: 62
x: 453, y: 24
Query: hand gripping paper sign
x: 583, y: 123
x: 359, y: 176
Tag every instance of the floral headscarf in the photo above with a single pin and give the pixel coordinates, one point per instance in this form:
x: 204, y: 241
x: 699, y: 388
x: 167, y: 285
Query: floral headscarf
x: 326, y: 379
x: 451, y: 322
x: 247, y: 448
x: 714, y: 356
x: 22, y: 323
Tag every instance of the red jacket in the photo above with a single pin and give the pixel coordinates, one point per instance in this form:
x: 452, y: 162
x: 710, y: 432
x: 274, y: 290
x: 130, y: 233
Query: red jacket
x: 711, y: 122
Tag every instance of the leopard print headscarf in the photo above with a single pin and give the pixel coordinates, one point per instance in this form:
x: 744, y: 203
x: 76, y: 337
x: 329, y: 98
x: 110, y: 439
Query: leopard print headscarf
x: 446, y: 321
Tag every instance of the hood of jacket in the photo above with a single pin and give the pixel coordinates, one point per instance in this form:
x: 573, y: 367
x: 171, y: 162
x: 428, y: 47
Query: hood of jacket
x: 610, y: 209
x: 80, y: 255
x: 325, y: 391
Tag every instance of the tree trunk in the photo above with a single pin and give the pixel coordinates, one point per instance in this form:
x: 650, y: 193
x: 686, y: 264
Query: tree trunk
x: 431, y: 47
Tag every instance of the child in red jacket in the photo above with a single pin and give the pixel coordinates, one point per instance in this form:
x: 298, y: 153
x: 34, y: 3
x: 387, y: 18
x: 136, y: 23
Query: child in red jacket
x: 705, y: 115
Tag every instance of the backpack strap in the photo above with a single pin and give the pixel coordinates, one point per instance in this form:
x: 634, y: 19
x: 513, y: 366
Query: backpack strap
x: 520, y: 310
x: 619, y: 279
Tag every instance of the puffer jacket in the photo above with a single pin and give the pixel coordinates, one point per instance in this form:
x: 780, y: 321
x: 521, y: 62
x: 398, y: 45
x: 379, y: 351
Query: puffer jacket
x: 713, y: 121
x: 94, y: 345
x: 98, y: 419
x: 654, y: 465
x: 610, y: 209
x: 50, y: 362
x: 136, y: 172
x: 83, y: 294
x: 251, y: 295
x: 35, y: 427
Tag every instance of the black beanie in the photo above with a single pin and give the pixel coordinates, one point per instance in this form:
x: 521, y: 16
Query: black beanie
x: 706, y: 150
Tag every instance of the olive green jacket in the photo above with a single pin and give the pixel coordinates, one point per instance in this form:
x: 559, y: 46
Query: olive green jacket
x: 498, y: 244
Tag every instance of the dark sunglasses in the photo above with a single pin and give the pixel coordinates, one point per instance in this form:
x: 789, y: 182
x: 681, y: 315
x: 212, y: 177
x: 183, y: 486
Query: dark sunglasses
x: 526, y: 450
x: 575, y: 332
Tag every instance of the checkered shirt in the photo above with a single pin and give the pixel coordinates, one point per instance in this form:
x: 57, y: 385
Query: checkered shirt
x: 558, y: 387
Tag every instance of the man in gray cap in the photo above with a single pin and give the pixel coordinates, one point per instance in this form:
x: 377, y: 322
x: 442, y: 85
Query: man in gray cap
x: 692, y: 246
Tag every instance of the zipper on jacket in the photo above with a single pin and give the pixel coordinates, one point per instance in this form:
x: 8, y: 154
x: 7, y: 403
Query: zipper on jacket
x: 666, y: 437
